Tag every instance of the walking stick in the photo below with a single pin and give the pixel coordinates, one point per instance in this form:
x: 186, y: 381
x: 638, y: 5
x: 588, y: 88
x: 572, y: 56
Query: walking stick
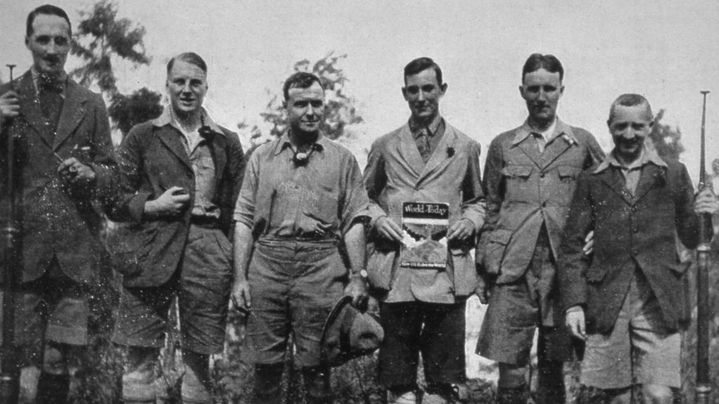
x: 9, y: 380
x: 703, y: 385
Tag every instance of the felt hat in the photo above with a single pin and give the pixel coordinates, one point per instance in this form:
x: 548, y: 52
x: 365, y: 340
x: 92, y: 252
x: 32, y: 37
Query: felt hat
x: 349, y: 333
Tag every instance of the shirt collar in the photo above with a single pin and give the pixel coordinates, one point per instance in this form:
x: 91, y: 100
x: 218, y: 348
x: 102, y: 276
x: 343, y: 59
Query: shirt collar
x: 433, y: 126
x: 62, y: 79
x: 649, y: 155
x: 167, y: 118
x: 283, y: 142
x: 560, y: 129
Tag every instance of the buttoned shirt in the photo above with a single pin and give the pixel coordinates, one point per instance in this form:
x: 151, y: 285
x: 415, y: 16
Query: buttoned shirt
x: 632, y: 172
x: 203, y: 166
x: 318, y: 198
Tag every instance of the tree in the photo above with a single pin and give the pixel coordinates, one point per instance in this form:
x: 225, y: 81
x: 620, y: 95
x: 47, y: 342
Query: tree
x: 340, y: 108
x: 102, y: 38
x: 666, y: 140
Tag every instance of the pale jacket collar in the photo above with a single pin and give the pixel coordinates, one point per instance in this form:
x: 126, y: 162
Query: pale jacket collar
x: 284, y: 141
x: 561, y: 129
x: 649, y: 155
x: 166, y: 118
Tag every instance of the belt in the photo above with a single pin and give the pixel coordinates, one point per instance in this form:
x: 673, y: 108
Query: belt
x: 208, y: 222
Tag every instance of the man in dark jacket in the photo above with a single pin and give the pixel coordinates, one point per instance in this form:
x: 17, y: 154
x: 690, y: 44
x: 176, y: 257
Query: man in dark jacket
x: 629, y: 301
x: 181, y: 174
x: 64, y: 156
x: 529, y: 178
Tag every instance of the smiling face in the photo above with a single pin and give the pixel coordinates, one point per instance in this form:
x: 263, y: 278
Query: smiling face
x: 49, y: 43
x: 305, y: 109
x: 630, y: 126
x: 422, y: 93
x: 541, y: 91
x: 186, y: 86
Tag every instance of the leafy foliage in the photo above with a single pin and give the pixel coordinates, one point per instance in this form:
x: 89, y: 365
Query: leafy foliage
x: 666, y: 140
x: 101, y: 38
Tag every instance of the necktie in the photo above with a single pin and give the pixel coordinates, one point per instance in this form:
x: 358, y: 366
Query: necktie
x: 50, y: 95
x: 541, y: 142
x: 422, y: 140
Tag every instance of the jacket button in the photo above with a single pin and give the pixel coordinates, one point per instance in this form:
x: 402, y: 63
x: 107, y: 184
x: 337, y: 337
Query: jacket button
x: 634, y: 252
x: 541, y: 175
x: 544, y: 204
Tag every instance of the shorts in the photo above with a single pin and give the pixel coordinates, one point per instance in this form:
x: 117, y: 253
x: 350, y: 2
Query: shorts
x: 435, y: 330
x: 639, y: 350
x: 515, y: 311
x: 202, y: 286
x: 293, y: 287
x: 51, y: 308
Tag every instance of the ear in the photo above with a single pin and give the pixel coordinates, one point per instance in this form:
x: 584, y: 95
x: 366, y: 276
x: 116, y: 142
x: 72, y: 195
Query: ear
x: 404, y: 93
x: 443, y: 88
x: 27, y: 42
x: 521, y: 90
x: 561, y: 90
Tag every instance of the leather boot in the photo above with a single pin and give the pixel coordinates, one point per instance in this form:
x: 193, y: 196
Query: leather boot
x: 52, y: 389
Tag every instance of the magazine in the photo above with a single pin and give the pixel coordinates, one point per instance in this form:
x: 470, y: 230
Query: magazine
x: 424, y: 235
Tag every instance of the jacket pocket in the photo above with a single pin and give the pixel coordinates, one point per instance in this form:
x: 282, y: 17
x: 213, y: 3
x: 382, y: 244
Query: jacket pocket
x: 568, y: 173
x: 517, y: 172
x: 492, y: 250
x: 381, y: 258
x: 129, y: 246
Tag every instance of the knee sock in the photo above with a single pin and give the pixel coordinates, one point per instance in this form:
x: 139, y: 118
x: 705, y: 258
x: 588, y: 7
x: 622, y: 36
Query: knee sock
x: 52, y: 389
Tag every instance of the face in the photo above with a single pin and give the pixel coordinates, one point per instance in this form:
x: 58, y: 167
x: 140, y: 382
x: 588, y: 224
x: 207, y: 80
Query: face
x: 629, y: 127
x: 422, y: 92
x: 186, y: 87
x: 49, y: 43
x: 305, y: 108
x: 541, y: 90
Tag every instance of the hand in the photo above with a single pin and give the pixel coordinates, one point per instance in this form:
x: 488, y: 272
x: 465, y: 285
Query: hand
x: 74, y: 172
x: 388, y: 229
x: 358, y: 290
x: 240, y: 295
x: 483, y: 289
x: 574, y: 320
x: 706, y: 202
x: 9, y: 105
x: 171, y: 202
x: 588, y: 248
x: 460, y: 230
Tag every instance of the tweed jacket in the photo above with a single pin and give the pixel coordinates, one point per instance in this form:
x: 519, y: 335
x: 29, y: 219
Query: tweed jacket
x: 153, y: 159
x: 630, y: 232
x: 525, y: 189
x: 59, y: 220
x: 395, y: 173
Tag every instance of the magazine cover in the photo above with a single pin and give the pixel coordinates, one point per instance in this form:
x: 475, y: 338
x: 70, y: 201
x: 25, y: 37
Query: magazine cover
x: 424, y: 235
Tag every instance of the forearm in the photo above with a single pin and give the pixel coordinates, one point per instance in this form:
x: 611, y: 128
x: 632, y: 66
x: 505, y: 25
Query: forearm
x: 355, y: 242
x: 242, y: 246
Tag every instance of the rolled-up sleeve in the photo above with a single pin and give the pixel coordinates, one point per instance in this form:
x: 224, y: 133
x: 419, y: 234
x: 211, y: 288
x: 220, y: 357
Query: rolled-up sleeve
x: 245, y: 206
x: 355, y: 203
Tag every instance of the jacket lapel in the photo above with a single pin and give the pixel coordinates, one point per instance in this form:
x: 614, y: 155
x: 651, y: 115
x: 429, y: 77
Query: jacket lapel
x: 170, y: 138
x: 613, y: 178
x: 553, y: 150
x: 218, y: 152
x: 650, y: 177
x: 73, y: 111
x: 439, y: 155
x: 530, y: 149
x: 30, y: 108
x: 407, y: 149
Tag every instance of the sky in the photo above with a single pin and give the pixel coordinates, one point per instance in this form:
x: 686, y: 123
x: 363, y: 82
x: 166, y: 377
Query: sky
x: 665, y: 50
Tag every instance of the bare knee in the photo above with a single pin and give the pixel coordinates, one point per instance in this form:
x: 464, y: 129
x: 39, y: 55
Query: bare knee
x: 657, y: 394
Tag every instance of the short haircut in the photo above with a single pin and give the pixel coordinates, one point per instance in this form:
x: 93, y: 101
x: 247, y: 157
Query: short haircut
x: 188, y: 57
x: 421, y: 64
x: 537, y: 61
x: 630, y: 100
x: 300, y: 80
x: 47, y: 9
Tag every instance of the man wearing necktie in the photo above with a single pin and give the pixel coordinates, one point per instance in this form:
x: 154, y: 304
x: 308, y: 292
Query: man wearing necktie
x: 425, y: 161
x: 530, y: 175
x: 64, y: 155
